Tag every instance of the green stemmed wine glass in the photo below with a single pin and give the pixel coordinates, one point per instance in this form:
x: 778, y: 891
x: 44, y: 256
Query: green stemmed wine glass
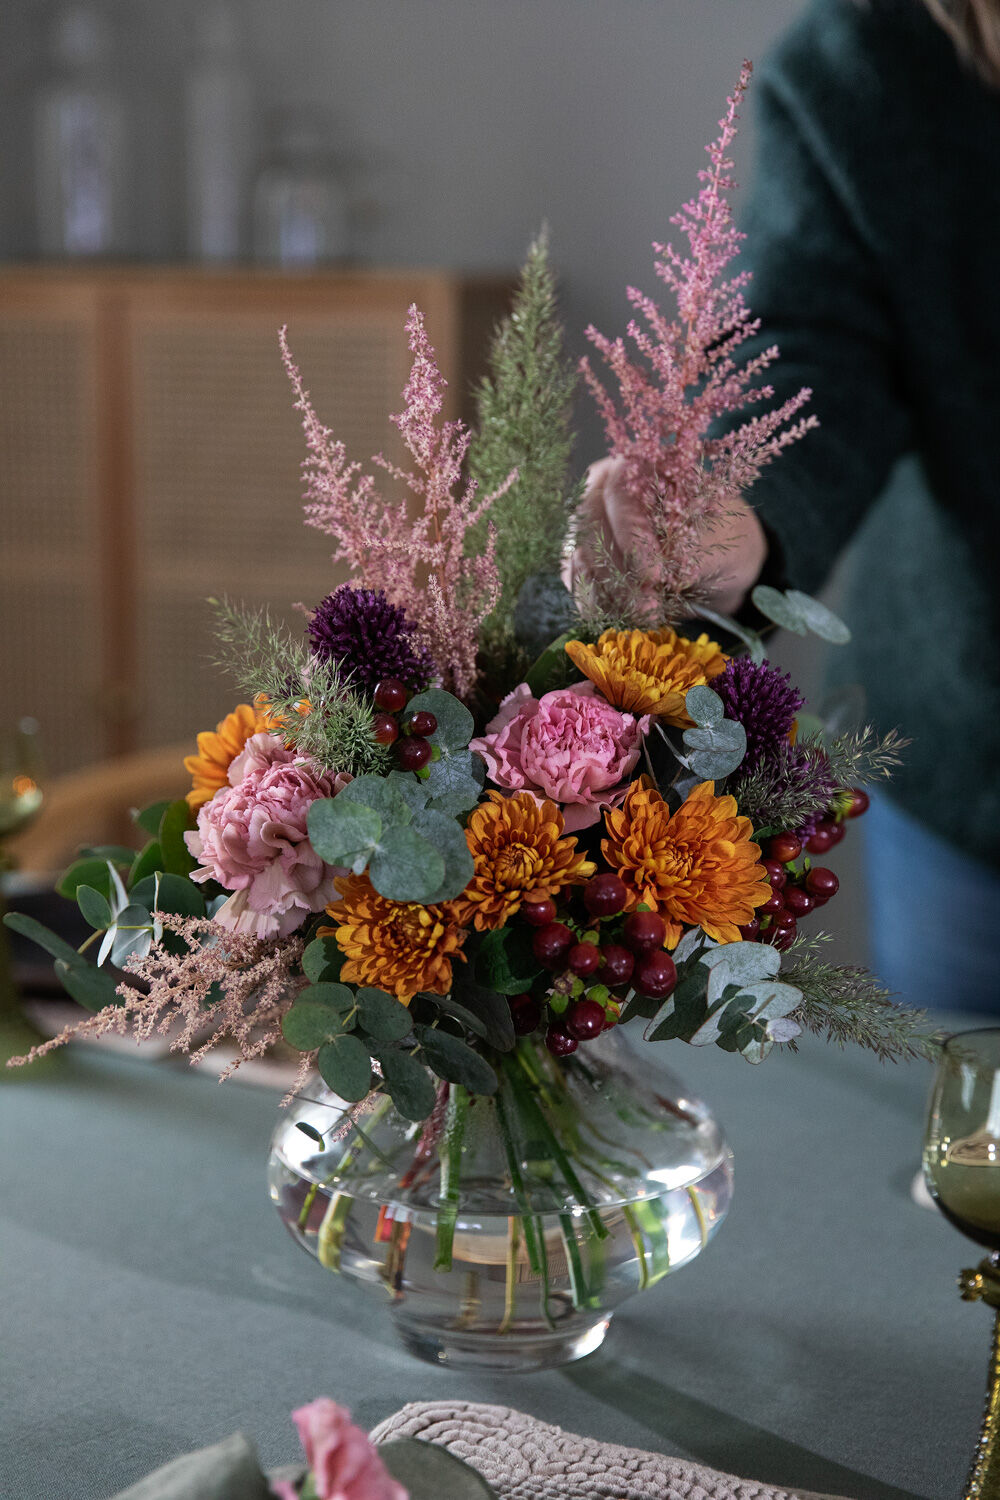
x: 962, y: 1169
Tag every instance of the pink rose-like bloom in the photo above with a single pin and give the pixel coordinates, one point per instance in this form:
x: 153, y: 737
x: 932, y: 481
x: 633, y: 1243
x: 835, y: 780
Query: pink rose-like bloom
x: 569, y: 745
x: 251, y: 838
x: 344, y: 1463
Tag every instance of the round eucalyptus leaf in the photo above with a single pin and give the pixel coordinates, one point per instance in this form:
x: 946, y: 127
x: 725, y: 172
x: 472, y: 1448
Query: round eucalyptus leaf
x: 90, y: 987
x: 448, y: 838
x: 455, y: 1061
x: 133, y: 934
x: 94, y: 906
x: 704, y: 706
x: 379, y: 793
x: 408, y: 1083
x: 382, y: 1016
x: 429, y: 1472
x: 345, y: 1067
x: 410, y: 787
x: 455, y: 725
x: 343, y: 832
x: 406, y: 867
x: 309, y: 1024
x: 779, y: 608
x: 820, y: 620
x: 322, y: 960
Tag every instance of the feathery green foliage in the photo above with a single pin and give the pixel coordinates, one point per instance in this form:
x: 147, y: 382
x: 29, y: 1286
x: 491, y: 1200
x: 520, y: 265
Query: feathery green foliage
x: 845, y: 1003
x: 267, y: 660
x: 525, y: 410
x: 863, y: 755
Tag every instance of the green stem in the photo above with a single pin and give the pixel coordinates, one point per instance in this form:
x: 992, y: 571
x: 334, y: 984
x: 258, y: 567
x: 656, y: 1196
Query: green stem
x: 521, y: 1083
x: 451, y: 1170
x: 534, y: 1227
x: 330, y: 1240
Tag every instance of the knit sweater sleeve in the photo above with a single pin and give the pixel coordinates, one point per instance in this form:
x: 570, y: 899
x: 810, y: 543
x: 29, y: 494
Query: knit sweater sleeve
x: 819, y: 289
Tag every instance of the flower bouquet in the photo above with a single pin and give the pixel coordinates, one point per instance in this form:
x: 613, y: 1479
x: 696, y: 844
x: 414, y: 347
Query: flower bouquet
x: 471, y: 825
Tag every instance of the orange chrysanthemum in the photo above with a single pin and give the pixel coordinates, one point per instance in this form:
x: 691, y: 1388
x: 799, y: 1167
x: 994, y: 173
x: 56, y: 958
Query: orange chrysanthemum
x: 519, y: 850
x: 209, y: 769
x: 697, y: 867
x: 397, y: 946
x: 648, y: 671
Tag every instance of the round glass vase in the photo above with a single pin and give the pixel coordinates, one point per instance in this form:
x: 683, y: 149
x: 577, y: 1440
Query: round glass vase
x: 504, y: 1231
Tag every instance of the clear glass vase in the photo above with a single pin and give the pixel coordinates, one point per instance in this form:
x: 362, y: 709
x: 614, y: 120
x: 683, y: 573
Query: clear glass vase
x: 505, y: 1231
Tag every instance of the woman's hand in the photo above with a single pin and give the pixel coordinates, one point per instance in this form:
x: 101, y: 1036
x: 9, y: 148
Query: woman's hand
x: 736, y: 548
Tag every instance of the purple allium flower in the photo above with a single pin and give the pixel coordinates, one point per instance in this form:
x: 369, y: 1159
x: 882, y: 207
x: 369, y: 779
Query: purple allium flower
x: 763, y: 700
x: 369, y: 637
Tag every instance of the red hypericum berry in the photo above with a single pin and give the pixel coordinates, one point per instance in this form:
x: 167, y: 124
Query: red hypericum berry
x: 858, y: 803
x: 820, y: 842
x: 655, y: 974
x: 539, y: 913
x: 605, y: 895
x: 385, y: 729
x: 750, y: 932
x: 559, y: 1041
x: 775, y: 902
x: 784, y: 920
x: 585, y: 1020
x: 617, y: 966
x: 798, y: 901
x: 551, y: 943
x: 526, y: 1013
x: 421, y: 722
x: 643, y: 930
x: 391, y: 694
x: 837, y: 831
x: 413, y: 754
x: 781, y: 937
x: 776, y: 873
x: 584, y: 959
x: 784, y: 847
x: 822, y: 883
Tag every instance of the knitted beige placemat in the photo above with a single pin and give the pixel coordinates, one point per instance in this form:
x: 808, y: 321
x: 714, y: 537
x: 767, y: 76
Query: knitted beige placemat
x: 524, y: 1459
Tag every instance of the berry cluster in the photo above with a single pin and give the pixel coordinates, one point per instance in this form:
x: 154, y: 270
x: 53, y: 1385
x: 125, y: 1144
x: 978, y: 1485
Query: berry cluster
x: 797, y: 890
x: 413, y: 749
x: 590, y: 955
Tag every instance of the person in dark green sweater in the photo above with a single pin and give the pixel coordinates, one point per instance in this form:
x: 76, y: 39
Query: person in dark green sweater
x: 872, y: 235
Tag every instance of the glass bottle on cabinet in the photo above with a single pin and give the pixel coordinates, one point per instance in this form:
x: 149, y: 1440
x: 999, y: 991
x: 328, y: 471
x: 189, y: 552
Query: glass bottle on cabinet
x: 300, y: 216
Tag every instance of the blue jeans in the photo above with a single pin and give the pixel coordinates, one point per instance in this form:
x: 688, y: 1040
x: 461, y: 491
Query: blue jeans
x: 934, y: 912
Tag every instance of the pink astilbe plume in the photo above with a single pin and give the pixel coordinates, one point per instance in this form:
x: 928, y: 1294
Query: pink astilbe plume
x: 419, y: 561
x: 226, y: 986
x: 660, y: 422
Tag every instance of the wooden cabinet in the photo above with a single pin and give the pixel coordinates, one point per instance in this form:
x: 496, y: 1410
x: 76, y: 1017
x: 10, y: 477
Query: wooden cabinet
x: 150, y: 457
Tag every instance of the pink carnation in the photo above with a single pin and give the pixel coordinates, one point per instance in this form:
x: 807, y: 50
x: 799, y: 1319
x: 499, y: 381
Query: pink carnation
x: 251, y: 838
x: 569, y: 745
x: 345, y: 1465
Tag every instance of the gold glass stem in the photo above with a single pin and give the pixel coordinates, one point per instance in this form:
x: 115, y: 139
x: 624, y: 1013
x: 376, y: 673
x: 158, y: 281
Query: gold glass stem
x: 984, y: 1476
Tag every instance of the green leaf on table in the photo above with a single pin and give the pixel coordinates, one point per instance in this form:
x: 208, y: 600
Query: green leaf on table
x: 406, y: 866
x: 322, y: 960
x: 318, y: 1014
x: 90, y: 987
x: 408, y: 1083
x: 343, y: 832
x: 147, y: 862
x: 345, y: 1067
x: 94, y: 906
x: 149, y: 818
x: 93, y: 872
x: 429, y: 1472
x: 178, y: 819
x: 380, y: 794
x: 455, y: 1061
x: 30, y: 927
x: 382, y: 1016
x: 505, y: 961
x: 820, y: 620
x: 704, y: 706
x: 448, y: 838
x: 455, y: 724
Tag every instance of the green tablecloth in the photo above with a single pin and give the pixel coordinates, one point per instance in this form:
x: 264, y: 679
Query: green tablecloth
x: 152, y: 1302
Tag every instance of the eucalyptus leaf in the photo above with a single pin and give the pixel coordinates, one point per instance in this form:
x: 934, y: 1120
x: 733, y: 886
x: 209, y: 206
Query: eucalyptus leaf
x: 451, y: 784
x: 455, y: 724
x: 343, y: 832
x: 716, y: 1012
x: 146, y: 862
x: 90, y: 987
x: 150, y: 818
x: 429, y: 1472
x: 716, y: 749
x: 820, y: 620
x: 382, y: 1016
x: 490, y: 1009
x: 133, y: 934
x: 684, y: 1011
x: 552, y: 668
x: 92, y: 871
x: 30, y: 927
x: 408, y: 1083
x: 322, y: 960
x: 94, y: 906
x: 740, y: 963
x: 783, y: 1029
x: 345, y: 1067
x: 505, y: 962
x: 174, y: 894
x: 380, y: 793
x: 455, y: 1061
x: 779, y: 608
x: 750, y: 638
x: 411, y: 788
x: 309, y: 1024
x: 448, y: 839
x: 119, y: 854
x: 704, y: 706
x: 177, y: 820
x: 406, y: 866
x: 544, y: 608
